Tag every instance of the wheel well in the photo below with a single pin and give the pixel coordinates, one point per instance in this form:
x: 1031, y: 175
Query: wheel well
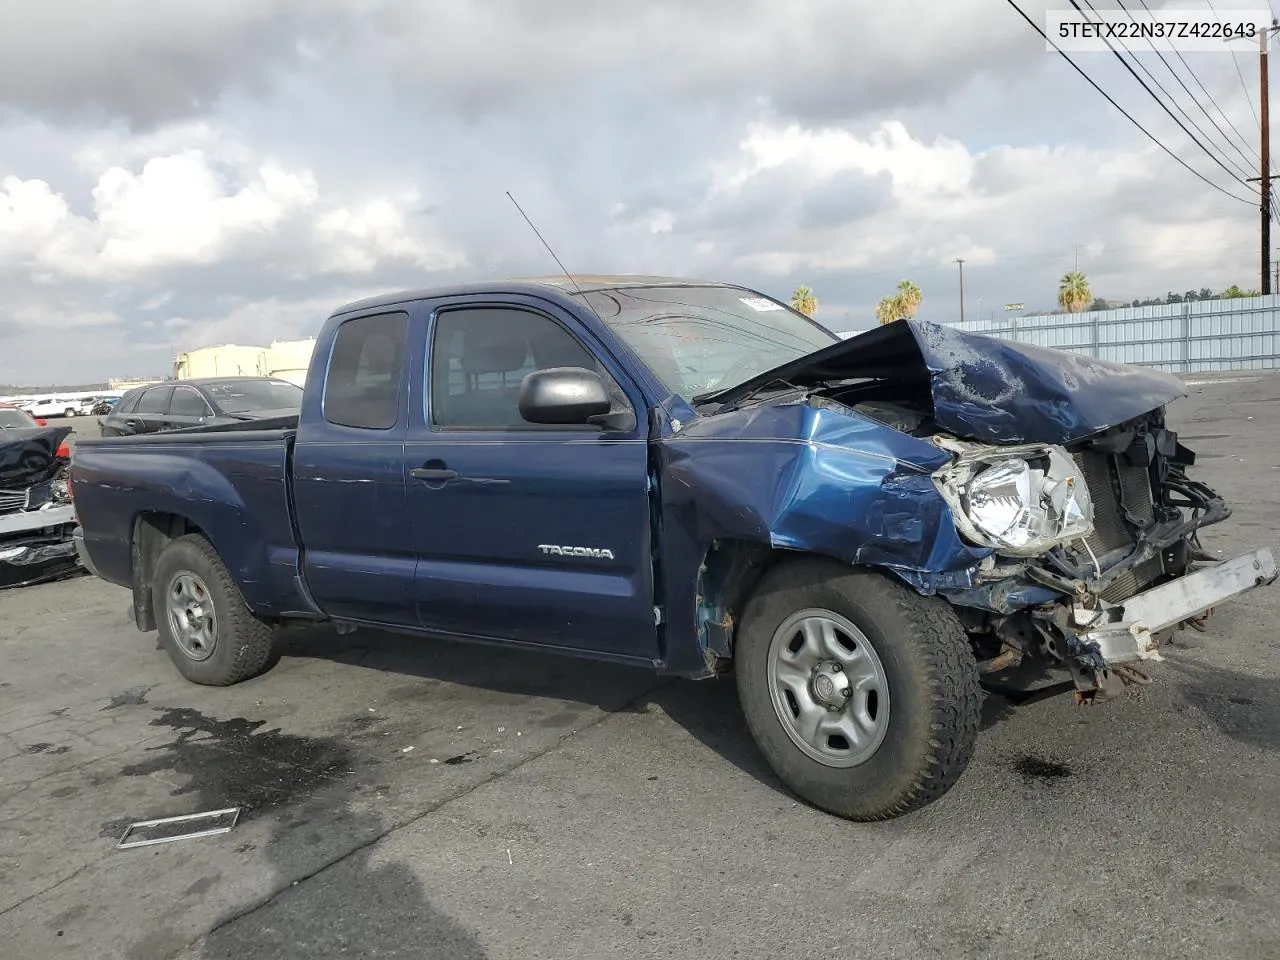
x: 730, y: 569
x: 151, y: 534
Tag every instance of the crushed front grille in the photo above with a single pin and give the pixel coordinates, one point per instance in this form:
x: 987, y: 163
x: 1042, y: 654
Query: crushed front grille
x: 1110, y: 530
x: 11, y: 501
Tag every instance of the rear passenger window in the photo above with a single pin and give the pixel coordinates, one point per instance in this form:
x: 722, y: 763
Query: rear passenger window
x: 187, y: 403
x: 128, y: 403
x: 362, y: 387
x: 155, y: 400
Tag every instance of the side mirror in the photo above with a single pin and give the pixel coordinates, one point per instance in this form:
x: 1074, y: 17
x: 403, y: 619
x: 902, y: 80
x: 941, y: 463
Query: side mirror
x: 563, y: 395
x: 41, y: 422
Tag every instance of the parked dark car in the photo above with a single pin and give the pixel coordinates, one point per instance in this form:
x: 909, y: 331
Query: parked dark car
x: 201, y: 403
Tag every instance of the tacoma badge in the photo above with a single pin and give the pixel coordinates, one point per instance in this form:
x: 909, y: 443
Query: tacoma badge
x: 594, y: 552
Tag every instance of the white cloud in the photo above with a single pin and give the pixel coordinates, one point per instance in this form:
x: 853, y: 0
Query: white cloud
x: 30, y: 215
x: 949, y: 201
x: 357, y: 241
x: 178, y: 211
x: 920, y: 172
x: 194, y: 209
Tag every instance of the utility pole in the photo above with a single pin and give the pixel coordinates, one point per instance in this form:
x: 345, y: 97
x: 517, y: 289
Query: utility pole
x: 1264, y: 41
x: 1264, y: 181
x: 961, y: 262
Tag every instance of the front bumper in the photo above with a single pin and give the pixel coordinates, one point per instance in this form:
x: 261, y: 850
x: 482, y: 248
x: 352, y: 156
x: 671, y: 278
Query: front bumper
x: 36, y: 546
x: 1132, y: 636
x: 30, y: 521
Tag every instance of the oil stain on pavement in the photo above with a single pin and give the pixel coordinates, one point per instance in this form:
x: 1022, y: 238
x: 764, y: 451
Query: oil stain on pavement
x: 1032, y: 767
x: 237, y: 763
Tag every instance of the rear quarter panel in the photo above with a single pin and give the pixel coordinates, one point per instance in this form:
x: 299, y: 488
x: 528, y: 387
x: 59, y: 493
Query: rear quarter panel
x: 232, y: 486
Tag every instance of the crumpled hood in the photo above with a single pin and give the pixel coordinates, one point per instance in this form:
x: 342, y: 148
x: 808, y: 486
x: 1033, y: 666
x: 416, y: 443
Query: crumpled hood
x: 29, y: 455
x: 983, y: 388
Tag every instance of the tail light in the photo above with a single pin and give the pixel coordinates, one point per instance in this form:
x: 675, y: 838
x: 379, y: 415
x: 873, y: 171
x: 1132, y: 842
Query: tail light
x: 64, y: 451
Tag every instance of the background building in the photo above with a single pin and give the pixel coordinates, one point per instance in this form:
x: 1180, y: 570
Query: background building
x: 286, y: 359
x: 224, y: 360
x: 289, y: 359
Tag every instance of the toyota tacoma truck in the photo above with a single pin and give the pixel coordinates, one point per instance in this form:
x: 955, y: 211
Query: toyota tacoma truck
x: 696, y: 479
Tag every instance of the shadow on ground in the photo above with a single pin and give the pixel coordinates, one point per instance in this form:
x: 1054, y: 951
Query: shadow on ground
x: 358, y: 907
x: 707, y: 709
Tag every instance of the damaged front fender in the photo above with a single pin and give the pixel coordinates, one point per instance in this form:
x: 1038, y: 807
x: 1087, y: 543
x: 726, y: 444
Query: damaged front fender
x: 802, y: 477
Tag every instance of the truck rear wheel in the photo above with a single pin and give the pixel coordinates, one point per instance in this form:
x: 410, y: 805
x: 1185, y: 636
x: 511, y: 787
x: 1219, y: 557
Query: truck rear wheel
x: 862, y: 695
x: 205, y: 627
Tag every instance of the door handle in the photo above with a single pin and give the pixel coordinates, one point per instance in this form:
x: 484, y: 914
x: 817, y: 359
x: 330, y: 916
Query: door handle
x: 426, y: 473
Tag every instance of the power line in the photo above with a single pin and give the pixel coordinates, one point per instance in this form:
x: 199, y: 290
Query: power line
x: 1036, y: 27
x: 1209, y: 153
x: 1236, y: 61
x: 1204, y: 89
x: 1244, y: 171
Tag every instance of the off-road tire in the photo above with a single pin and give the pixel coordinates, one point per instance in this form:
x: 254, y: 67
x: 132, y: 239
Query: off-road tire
x: 245, y: 646
x: 935, y: 698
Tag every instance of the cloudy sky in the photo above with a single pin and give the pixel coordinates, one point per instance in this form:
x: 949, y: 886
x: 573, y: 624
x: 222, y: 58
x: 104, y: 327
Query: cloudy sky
x: 178, y: 174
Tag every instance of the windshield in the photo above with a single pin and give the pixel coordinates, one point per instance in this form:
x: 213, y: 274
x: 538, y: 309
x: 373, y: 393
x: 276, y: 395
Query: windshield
x: 250, y: 396
x: 700, y: 339
x: 14, y: 418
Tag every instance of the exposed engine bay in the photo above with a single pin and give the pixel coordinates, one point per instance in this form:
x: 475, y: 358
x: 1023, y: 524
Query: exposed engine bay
x: 1061, y: 479
x: 1077, y: 530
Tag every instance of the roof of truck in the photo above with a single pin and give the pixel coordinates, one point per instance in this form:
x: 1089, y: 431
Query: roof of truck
x: 584, y: 282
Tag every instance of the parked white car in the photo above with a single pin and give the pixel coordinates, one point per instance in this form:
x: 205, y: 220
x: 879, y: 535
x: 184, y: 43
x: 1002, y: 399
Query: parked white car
x: 54, y: 407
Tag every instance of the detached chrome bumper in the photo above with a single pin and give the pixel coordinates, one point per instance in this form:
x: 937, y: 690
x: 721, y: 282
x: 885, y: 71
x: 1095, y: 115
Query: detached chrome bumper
x: 31, y: 520
x: 1132, y: 638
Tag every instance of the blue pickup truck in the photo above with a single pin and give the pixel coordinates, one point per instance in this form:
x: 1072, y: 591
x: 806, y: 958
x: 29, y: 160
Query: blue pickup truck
x: 695, y: 479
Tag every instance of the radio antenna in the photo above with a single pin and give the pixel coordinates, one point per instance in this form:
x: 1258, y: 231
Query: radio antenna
x: 567, y: 274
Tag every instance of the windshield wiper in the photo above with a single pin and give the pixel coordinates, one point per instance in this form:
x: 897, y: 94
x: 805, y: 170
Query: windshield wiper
x: 750, y: 394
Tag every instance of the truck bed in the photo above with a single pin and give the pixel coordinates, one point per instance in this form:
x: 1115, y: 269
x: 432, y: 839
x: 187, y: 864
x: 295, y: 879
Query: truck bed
x: 230, y: 484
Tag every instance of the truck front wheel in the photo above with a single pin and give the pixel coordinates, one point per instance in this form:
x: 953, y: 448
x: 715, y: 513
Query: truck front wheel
x: 205, y: 627
x: 862, y: 695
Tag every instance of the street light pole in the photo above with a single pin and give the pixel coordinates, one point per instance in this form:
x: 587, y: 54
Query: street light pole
x: 961, y: 262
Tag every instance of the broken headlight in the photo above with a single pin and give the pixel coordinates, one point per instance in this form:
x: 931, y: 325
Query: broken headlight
x: 1020, y: 505
x: 48, y: 494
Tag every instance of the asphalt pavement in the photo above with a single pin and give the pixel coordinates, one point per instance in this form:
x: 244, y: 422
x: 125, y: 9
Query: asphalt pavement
x: 427, y: 799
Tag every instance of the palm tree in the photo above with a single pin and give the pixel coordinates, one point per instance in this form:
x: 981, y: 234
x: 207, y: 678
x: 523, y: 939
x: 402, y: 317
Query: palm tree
x: 804, y: 301
x: 1073, y: 292
x: 888, y: 310
x: 909, y: 297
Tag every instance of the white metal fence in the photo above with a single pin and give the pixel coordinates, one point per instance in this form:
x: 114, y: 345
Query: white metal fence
x: 1198, y: 336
